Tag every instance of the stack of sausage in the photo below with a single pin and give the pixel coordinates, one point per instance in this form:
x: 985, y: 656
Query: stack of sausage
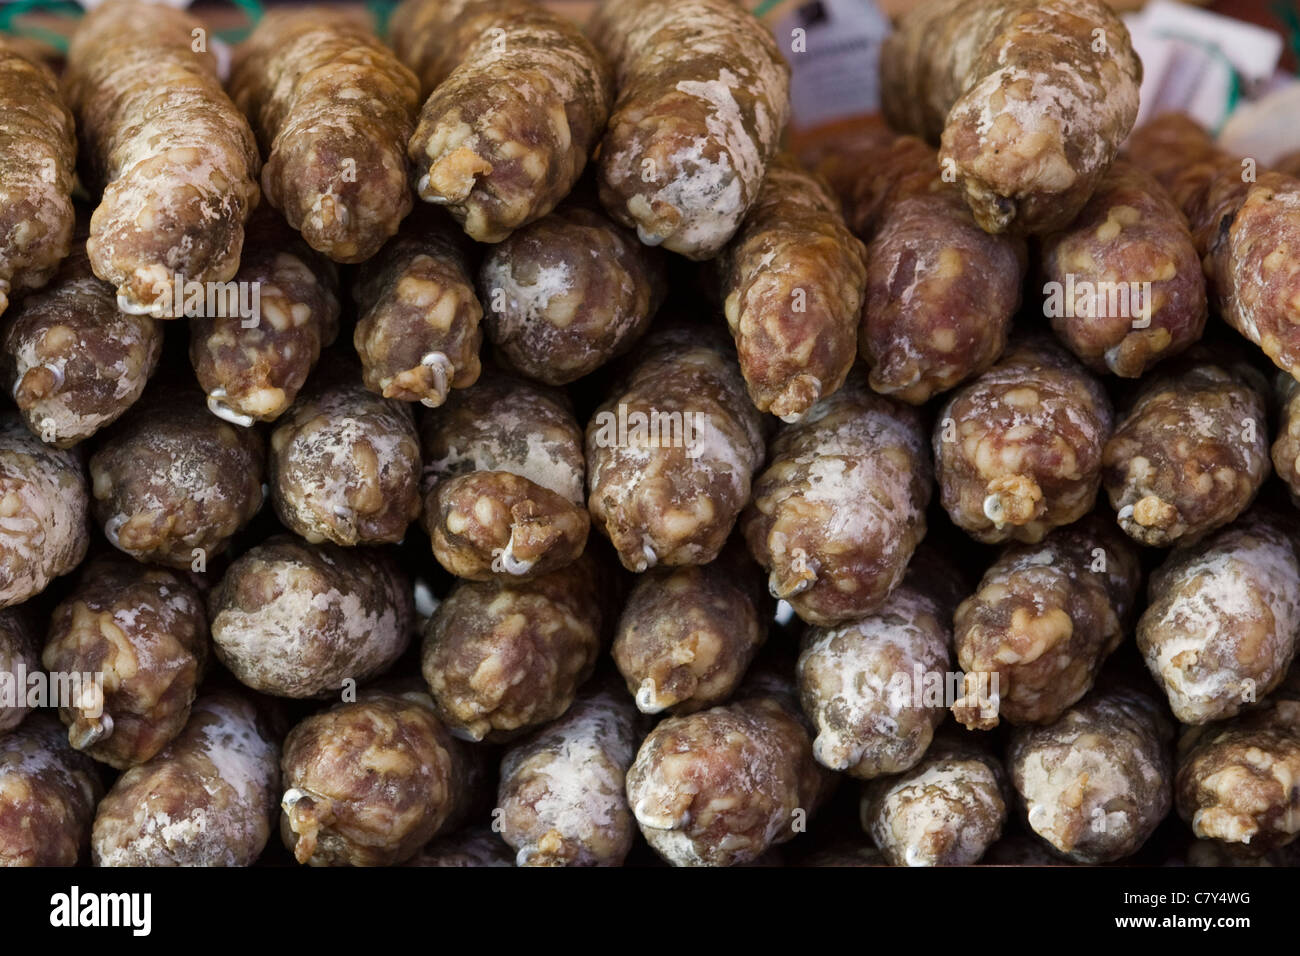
x: 429, y: 600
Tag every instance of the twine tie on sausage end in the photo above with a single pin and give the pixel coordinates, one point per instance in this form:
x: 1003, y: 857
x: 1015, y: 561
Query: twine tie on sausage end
x: 551, y: 850
x: 1014, y: 500
x: 128, y: 305
x: 330, y: 213
x: 932, y: 850
x: 347, y: 522
x: 440, y: 368
x: 111, y: 528
x: 474, y: 732
x: 648, y: 558
x: 994, y: 510
x: 649, y: 238
x: 306, y: 813
x: 831, y: 751
x: 1154, y: 512
x: 34, y: 390
x: 1220, y: 823
x: 88, y: 731
x: 656, y: 821
x: 798, y: 397
x: 422, y: 188
x: 217, y: 406
x: 505, y: 562
x: 648, y: 700
x: 453, y: 176
x: 802, y: 575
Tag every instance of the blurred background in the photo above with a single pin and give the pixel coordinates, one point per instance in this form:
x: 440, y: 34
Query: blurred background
x: 1230, y: 63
